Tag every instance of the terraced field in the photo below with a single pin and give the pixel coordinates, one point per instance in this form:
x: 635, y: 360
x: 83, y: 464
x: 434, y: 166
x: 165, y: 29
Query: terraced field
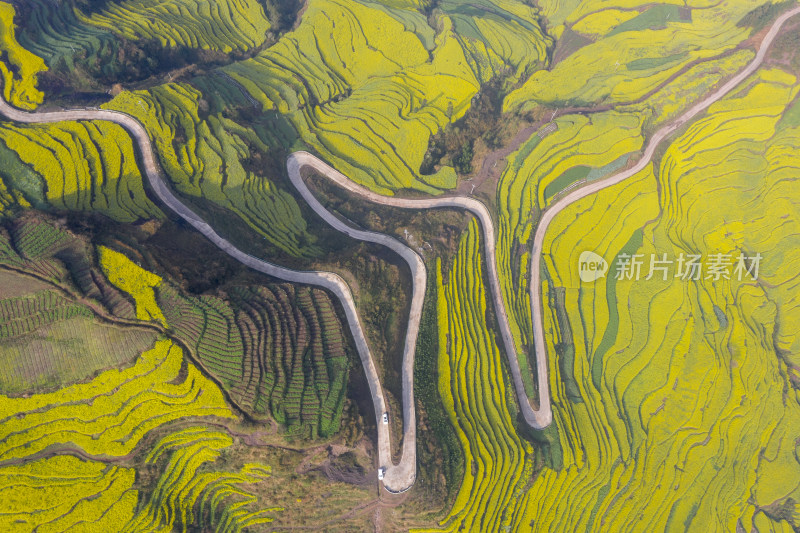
x: 37, y: 240
x: 275, y: 358
x: 50, y: 257
x: 108, y: 417
x: 578, y: 151
x: 686, y: 372
x: 473, y: 390
x: 71, y: 494
x: 75, y: 166
x: 279, y: 350
x: 295, y: 360
x: 89, y: 416
x: 62, y: 446
x: 53, y: 32
x: 498, y: 35
x: 667, y: 103
x: 19, y: 67
x: 207, y: 157
x: 368, y: 110
x: 47, y: 340
x: 304, y: 391
x: 134, y: 280
x: 23, y: 315
x: 217, y: 25
x: 48, y: 334
x: 673, y: 401
x: 189, y: 496
x: 630, y: 49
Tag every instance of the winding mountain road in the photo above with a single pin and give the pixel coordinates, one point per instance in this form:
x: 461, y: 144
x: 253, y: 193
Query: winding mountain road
x: 541, y: 416
x: 397, y: 478
x: 537, y: 418
x: 614, y: 179
x: 401, y: 477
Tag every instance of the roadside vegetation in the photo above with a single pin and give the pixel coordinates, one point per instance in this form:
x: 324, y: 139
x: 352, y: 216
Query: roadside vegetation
x: 473, y: 390
x: 630, y: 49
x: 643, y: 349
x: 88, y: 389
x: 577, y: 150
x: 165, y: 387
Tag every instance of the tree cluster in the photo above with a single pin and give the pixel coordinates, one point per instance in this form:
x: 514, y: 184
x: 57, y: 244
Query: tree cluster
x: 454, y: 145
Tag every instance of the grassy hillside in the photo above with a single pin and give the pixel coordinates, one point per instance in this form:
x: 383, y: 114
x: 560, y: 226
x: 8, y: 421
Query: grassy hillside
x: 106, y: 418
x: 225, y: 25
x: 19, y: 67
x: 366, y: 85
x: 628, y: 49
x: 693, y: 379
x: 77, y: 166
x: 479, y: 404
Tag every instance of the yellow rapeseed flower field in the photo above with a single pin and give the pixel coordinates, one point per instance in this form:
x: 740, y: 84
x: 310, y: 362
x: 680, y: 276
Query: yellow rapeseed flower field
x: 18, y: 89
x: 133, y: 279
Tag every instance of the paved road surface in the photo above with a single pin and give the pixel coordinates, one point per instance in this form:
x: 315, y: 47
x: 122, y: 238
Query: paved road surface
x: 595, y: 186
x: 398, y: 477
x: 540, y: 416
x: 401, y: 477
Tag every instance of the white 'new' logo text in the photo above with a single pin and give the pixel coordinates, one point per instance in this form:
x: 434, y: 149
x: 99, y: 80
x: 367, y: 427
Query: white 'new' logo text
x: 591, y: 266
